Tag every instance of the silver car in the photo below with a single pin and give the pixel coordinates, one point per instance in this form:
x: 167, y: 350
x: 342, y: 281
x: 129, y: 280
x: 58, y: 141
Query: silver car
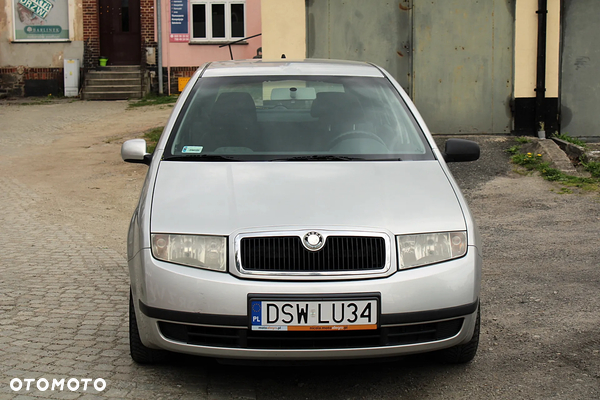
x: 301, y: 210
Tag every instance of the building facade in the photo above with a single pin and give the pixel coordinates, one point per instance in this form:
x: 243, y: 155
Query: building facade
x: 197, y: 31
x: 35, y: 39
x: 502, y: 66
x: 37, y: 36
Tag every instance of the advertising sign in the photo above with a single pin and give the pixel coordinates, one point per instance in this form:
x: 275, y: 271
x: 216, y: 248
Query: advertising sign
x: 179, y: 21
x: 41, y: 20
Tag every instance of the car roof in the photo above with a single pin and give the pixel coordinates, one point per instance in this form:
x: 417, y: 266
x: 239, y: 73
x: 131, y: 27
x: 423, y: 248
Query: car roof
x: 291, y: 67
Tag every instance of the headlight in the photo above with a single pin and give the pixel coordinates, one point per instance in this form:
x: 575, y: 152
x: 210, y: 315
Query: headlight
x: 430, y: 248
x: 208, y: 252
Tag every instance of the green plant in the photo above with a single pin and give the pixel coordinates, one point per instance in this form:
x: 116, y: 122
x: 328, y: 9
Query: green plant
x: 523, y: 140
x: 528, y: 160
x: 513, y: 149
x: 567, y: 138
x: 533, y: 162
x: 153, y: 99
x: 593, y: 167
x: 152, y: 137
x: 565, y: 191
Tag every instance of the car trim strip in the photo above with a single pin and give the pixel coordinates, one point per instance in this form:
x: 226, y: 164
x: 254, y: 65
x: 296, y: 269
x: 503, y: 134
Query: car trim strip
x: 424, y: 316
x: 241, y: 321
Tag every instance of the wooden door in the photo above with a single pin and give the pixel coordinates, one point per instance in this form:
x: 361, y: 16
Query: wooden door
x: 120, y: 36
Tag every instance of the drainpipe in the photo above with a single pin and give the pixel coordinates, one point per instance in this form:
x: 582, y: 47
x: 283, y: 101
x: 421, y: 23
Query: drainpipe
x: 540, y: 89
x: 158, y: 24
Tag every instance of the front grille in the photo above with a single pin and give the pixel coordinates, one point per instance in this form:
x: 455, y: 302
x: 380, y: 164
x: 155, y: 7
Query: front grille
x: 297, y: 340
x: 288, y: 254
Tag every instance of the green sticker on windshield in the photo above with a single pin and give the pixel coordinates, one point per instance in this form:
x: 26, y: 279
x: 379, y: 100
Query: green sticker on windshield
x: 192, y: 149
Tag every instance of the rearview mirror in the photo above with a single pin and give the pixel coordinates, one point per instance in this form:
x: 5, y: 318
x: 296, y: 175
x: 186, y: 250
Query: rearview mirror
x: 460, y: 150
x: 134, y: 151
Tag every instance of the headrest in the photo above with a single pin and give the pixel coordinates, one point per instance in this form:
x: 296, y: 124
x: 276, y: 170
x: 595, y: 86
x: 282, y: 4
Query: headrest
x: 336, y: 105
x: 234, y: 104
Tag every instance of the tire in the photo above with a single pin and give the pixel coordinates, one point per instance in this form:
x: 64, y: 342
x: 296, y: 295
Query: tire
x: 140, y: 353
x: 463, y: 353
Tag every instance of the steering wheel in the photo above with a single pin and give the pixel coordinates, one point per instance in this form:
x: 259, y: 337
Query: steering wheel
x: 354, y: 135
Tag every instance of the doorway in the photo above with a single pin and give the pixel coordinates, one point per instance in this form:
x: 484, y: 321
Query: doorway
x: 120, y: 33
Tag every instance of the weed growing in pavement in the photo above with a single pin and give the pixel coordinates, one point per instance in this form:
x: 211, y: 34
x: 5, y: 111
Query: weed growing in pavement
x: 567, y: 138
x: 513, y: 149
x: 37, y: 101
x: 529, y: 160
x: 152, y: 137
x: 533, y: 162
x: 523, y: 140
x: 593, y: 167
x: 153, y: 99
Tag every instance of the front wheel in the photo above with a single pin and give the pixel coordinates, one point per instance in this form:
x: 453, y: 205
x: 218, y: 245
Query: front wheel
x: 463, y: 353
x: 140, y: 353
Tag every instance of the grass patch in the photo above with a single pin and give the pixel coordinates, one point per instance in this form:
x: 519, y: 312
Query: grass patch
x: 567, y: 138
x: 152, y: 137
x: 152, y: 99
x: 593, y: 167
x: 533, y: 162
x: 523, y: 140
x: 43, y: 100
x: 514, y: 150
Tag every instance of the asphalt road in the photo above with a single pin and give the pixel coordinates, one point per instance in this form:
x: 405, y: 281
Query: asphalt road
x: 63, y: 298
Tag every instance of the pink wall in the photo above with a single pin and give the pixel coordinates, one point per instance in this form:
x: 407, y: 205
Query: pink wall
x: 191, y: 55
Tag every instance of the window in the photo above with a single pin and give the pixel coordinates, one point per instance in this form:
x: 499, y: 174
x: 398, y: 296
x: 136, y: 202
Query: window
x: 265, y: 118
x: 218, y: 20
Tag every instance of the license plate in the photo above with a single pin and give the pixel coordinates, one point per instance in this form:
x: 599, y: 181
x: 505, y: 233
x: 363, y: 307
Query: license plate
x: 314, y: 315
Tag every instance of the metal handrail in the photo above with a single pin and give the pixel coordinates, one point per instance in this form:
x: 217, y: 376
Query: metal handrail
x: 237, y: 41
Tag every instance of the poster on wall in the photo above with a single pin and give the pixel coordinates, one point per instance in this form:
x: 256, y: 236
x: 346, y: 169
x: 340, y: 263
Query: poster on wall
x: 41, y: 20
x: 179, y: 21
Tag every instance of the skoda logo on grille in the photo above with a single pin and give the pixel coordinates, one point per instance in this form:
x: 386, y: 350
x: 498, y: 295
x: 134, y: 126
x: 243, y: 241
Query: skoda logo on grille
x: 313, y: 241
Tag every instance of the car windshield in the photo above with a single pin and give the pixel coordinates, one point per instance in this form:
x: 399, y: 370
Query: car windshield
x: 295, y: 118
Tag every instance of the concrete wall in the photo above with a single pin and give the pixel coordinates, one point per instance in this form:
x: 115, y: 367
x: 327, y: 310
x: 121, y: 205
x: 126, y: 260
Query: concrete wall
x: 39, y: 55
x: 284, y: 29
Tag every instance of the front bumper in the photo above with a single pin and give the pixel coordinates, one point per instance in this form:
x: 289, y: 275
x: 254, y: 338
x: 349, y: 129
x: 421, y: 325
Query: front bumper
x: 178, y: 307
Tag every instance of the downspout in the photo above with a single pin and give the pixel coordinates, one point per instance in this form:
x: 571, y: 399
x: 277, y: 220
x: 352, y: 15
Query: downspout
x: 540, y: 89
x: 159, y: 25
x: 306, y: 28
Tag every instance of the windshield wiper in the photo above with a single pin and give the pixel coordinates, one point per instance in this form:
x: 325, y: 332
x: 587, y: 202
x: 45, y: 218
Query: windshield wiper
x: 201, y: 157
x: 322, y: 157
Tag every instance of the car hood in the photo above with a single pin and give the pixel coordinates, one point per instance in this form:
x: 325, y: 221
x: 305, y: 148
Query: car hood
x: 221, y: 198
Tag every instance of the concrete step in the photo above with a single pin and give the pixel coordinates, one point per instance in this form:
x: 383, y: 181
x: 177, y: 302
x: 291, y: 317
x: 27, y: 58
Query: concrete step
x: 112, y: 88
x: 115, y: 82
x: 119, y: 68
x: 112, y: 82
x: 112, y: 95
x: 113, y: 75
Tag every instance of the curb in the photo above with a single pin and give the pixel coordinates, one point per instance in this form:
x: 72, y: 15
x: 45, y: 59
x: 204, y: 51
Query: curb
x: 551, y: 153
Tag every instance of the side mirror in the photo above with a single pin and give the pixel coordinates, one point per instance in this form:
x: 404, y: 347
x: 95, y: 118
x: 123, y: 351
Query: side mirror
x: 460, y: 150
x: 134, y: 151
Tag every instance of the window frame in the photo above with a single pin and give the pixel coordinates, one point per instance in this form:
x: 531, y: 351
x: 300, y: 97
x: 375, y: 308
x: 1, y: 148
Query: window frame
x: 209, y: 22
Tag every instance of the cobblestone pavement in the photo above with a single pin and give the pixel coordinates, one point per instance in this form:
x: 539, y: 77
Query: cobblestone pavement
x: 63, y: 299
x: 63, y: 296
